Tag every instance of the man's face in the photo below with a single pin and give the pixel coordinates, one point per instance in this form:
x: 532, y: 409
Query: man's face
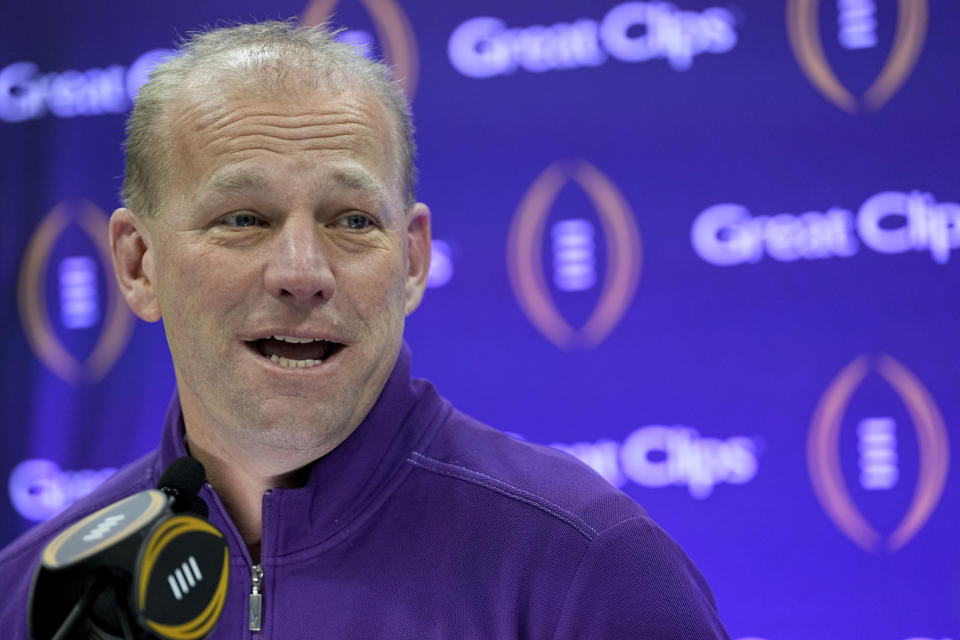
x: 283, y: 264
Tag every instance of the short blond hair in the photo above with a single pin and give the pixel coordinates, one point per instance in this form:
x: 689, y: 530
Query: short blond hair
x: 310, y: 55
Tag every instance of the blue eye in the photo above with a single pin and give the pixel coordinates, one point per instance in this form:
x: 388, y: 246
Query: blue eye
x: 356, y: 221
x: 240, y: 220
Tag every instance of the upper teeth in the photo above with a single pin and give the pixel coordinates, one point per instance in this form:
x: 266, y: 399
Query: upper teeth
x: 297, y: 340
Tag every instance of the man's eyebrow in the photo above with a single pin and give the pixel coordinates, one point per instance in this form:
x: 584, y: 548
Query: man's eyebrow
x: 358, y: 180
x: 353, y: 179
x: 237, y: 181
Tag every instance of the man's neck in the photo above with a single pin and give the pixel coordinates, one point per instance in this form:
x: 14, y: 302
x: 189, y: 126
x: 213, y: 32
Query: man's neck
x: 240, y: 479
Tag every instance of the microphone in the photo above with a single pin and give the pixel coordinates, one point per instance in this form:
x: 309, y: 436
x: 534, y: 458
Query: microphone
x: 182, y: 481
x: 150, y: 562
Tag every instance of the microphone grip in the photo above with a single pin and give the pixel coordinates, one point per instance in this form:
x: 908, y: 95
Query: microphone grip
x: 125, y: 625
x: 82, y: 607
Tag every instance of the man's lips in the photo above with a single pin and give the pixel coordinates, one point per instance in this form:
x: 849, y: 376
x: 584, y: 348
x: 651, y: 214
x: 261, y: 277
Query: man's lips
x: 295, y: 352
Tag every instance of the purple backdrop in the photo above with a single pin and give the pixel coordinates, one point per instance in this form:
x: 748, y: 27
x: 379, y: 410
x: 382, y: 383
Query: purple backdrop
x: 705, y: 247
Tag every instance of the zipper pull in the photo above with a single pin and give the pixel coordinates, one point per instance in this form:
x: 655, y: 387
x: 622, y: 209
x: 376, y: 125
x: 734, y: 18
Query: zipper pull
x: 256, y: 597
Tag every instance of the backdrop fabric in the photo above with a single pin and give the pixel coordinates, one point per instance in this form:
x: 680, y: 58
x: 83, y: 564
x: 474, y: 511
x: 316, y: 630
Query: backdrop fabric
x: 706, y: 247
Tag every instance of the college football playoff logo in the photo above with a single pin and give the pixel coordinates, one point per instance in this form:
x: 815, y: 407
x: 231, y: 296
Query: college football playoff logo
x: 81, y: 279
x: 394, y: 34
x: 823, y: 452
x: 803, y: 29
x: 525, y: 254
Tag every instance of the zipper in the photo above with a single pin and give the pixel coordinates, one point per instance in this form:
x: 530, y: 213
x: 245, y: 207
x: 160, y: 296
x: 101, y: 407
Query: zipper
x: 256, y: 597
x: 255, y: 616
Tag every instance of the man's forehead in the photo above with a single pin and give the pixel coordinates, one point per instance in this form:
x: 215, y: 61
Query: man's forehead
x: 213, y: 101
x: 203, y: 118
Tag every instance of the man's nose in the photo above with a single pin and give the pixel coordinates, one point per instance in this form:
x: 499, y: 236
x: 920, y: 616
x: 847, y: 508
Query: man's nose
x: 299, y: 268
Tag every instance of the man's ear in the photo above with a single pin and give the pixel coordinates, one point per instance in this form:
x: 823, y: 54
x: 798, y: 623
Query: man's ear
x: 133, y: 263
x: 418, y: 254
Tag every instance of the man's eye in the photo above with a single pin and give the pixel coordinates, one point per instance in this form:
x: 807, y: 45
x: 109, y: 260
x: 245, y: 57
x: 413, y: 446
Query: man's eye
x: 240, y: 220
x: 356, y: 221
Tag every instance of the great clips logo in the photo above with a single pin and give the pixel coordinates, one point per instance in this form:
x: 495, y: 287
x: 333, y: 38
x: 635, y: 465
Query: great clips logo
x: 574, y: 247
x: 630, y: 32
x: 26, y: 93
x: 39, y: 489
x: 656, y: 456
x: 890, y: 222
x: 71, y: 311
x: 856, y: 27
x: 393, y: 33
x: 877, y: 450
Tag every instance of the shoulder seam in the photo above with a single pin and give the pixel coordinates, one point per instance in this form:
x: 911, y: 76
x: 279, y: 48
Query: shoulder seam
x: 494, y: 484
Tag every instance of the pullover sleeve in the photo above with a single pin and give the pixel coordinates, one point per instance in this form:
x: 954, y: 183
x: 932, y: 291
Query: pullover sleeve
x: 635, y: 582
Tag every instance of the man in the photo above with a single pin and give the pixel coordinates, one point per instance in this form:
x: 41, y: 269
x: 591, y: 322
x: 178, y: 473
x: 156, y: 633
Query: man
x: 270, y: 222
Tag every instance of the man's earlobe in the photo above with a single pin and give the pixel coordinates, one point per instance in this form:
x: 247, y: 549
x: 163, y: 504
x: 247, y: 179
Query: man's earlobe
x: 133, y: 263
x: 418, y: 254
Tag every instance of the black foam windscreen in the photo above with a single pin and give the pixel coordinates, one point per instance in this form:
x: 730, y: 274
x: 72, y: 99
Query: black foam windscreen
x: 182, y: 481
x: 200, y: 508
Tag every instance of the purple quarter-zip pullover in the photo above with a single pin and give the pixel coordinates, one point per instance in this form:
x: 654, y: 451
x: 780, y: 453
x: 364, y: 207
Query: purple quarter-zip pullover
x: 427, y: 524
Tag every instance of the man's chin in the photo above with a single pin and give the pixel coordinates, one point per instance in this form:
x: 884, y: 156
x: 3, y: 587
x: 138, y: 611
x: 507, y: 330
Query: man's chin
x: 305, y: 431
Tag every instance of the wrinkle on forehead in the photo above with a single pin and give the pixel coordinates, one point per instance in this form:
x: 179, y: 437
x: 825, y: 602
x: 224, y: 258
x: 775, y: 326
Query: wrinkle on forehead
x: 298, y: 127
x: 302, y: 120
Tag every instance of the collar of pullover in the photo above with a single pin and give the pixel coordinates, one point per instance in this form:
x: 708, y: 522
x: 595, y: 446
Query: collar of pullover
x: 348, y: 482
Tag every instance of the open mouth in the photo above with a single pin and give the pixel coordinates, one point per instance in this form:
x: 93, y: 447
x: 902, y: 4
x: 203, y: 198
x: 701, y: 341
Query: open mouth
x: 296, y: 353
